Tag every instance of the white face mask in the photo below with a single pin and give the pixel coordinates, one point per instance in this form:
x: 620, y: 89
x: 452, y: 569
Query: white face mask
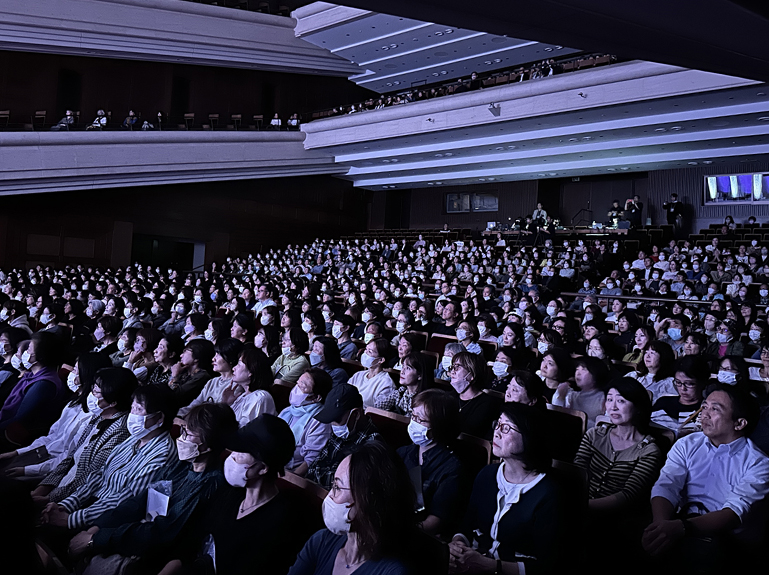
x: 121, y: 345
x: 499, y: 368
x: 187, y: 450
x: 155, y: 310
x: 180, y: 309
x: 336, y: 516
x: 366, y: 317
x: 400, y: 326
x: 336, y: 332
x: 93, y: 404
x: 72, y: 382
x: 418, y: 433
x: 235, y: 473
x: 446, y: 363
x: 368, y: 337
x: 481, y: 329
x: 754, y: 335
x: 543, y: 347
x: 306, y: 327
x: 367, y: 361
x: 209, y: 334
x: 297, y: 398
x: 136, y: 425
x: 341, y: 431
x: 128, y: 312
x: 16, y: 362
x: 461, y: 334
x: 4, y: 314
x: 45, y: 319
x: 551, y: 310
x: 285, y: 350
x: 727, y: 377
x: 25, y: 360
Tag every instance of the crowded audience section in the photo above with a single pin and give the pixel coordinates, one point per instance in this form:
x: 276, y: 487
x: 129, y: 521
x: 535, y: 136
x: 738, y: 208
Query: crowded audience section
x: 393, y: 402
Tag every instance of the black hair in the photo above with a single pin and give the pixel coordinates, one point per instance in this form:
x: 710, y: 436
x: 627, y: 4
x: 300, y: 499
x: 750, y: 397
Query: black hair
x: 530, y: 423
x: 330, y: 351
x: 442, y: 409
x: 48, y: 349
x: 693, y: 367
x: 634, y: 392
x: 321, y: 382
x: 744, y: 406
x: 203, y: 351
x: 88, y: 365
x: 117, y: 385
x: 156, y: 398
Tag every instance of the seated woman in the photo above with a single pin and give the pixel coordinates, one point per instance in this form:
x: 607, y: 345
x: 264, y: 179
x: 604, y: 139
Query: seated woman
x: 195, y: 326
x: 325, y: 355
x: 250, y: 519
x: 10, y: 338
x: 451, y: 349
x: 217, y: 328
x: 487, y: 328
x: 166, y: 356
x: 373, y: 383
x: 243, y: 328
x: 313, y: 324
x: 467, y: 335
x: 226, y: 356
x: 727, y: 340
x: 527, y: 388
x: 36, y: 400
x: 547, y: 340
x: 656, y: 371
x: 305, y: 401
x: 125, y: 346
x: 195, y: 478
x: 433, y: 429
x: 252, y: 374
x: 192, y: 372
x: 622, y: 462
x: 130, y: 467
x: 590, y: 376
x: 502, y: 368
x: 292, y: 362
x: 369, y: 516
x: 105, y: 334
x: 644, y: 335
x: 556, y: 368
x: 477, y: 409
x: 38, y: 459
x: 517, y: 518
x: 142, y: 357
x: 109, y: 402
x: 268, y: 340
x: 627, y: 324
x: 679, y: 413
x: 407, y: 343
x: 414, y: 378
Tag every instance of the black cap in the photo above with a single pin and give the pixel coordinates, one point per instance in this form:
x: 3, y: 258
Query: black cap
x: 342, y: 399
x: 268, y: 438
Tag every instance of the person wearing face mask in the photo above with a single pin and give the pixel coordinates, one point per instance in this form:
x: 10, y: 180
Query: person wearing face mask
x: 16, y: 314
x: 673, y: 331
x: 131, y: 314
x: 195, y: 326
x: 250, y: 519
x: 437, y: 474
x: 324, y: 354
x: 122, y: 537
x: 292, y: 362
x: 342, y: 328
x: 727, y: 342
x: 368, y: 515
x: 36, y: 400
x: 350, y: 426
x: 10, y: 337
x: 36, y: 460
x: 477, y: 409
x: 502, y: 368
x: 130, y: 466
x: 125, y: 346
x: 141, y: 359
x: 373, y: 383
x: 178, y: 319
x: 109, y: 402
x: 306, y: 400
x: 106, y: 334
x: 159, y: 312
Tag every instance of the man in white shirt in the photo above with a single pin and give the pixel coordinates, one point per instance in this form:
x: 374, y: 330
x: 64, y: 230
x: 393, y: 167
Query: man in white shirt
x: 263, y: 298
x: 710, y: 484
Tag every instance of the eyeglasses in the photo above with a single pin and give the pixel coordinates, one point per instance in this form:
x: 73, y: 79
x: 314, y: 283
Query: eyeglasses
x: 185, y: 435
x: 684, y: 385
x: 505, y: 428
x: 335, y: 488
x: 419, y: 420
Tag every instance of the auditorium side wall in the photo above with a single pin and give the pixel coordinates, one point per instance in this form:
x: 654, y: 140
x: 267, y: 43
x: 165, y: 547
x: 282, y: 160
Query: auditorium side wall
x: 96, y: 226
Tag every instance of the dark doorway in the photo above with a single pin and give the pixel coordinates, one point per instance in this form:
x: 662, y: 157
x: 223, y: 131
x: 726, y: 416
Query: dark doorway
x: 398, y: 209
x: 268, y: 101
x: 68, y: 92
x: 163, y: 252
x: 180, y: 98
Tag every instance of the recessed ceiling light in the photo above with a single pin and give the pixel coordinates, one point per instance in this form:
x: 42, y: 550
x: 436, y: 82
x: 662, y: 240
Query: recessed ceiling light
x: 611, y: 169
x: 676, y: 128
x: 692, y: 163
x: 488, y: 62
x: 548, y: 49
x: 394, y: 161
x: 448, y: 154
x: 481, y: 179
x: 499, y: 148
x: 439, y: 33
x: 385, y: 161
x: 624, y: 168
x: 660, y: 129
x: 511, y: 147
x: 491, y: 179
x: 448, y: 30
x: 707, y: 162
x: 764, y: 119
x: 573, y: 139
x: 429, y: 183
x: 438, y: 155
x: 586, y: 138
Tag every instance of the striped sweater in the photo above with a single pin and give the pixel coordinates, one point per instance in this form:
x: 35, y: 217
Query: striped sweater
x: 126, y: 473
x: 631, y: 472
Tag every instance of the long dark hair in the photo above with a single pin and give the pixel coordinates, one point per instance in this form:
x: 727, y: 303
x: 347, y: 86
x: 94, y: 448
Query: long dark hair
x: 667, y: 361
x: 384, y: 499
x: 258, y: 365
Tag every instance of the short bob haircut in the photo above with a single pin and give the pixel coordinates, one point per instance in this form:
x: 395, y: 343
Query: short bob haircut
x: 229, y: 349
x: 48, y: 349
x: 246, y: 323
x: 154, y: 399
x: 442, y: 410
x: 597, y: 369
x: 298, y: 339
x: 634, y: 392
x: 475, y: 366
x: 203, y: 352
x: 534, y: 386
x: 258, y: 365
x: 321, y: 382
x: 221, y: 328
x: 215, y: 424
x: 330, y: 351
x: 530, y: 423
x: 117, y: 385
x: 110, y: 324
x: 667, y: 360
x: 88, y: 364
x: 384, y: 499
x: 563, y: 362
x: 692, y: 366
x: 744, y: 406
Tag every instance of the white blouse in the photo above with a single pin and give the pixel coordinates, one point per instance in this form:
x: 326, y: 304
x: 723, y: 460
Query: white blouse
x: 251, y: 405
